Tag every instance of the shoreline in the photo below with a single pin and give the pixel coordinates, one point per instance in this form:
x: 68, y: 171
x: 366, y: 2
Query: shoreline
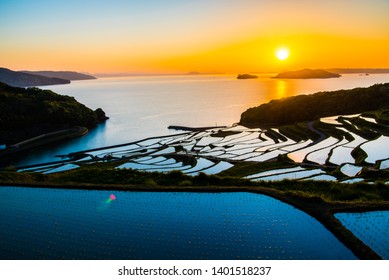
x: 44, y: 139
x: 320, y: 210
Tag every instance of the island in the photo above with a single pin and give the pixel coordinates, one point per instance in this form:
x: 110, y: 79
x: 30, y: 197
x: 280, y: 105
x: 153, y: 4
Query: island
x: 20, y: 79
x: 246, y: 76
x: 307, y: 74
x: 30, y: 117
x: 359, y: 70
x: 67, y: 75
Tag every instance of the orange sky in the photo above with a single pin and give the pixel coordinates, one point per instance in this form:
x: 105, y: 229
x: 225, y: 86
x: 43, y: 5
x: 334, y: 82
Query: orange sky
x: 179, y: 36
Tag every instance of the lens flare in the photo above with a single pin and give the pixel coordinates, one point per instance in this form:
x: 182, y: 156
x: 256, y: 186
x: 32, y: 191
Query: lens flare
x: 111, y: 198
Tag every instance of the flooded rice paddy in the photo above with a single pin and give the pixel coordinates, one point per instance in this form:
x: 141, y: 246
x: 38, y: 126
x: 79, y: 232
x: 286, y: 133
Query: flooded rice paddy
x: 370, y: 227
x: 215, y: 150
x: 38, y: 223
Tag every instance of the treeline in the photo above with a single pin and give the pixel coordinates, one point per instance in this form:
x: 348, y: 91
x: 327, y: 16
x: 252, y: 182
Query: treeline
x: 322, y: 104
x: 26, y: 113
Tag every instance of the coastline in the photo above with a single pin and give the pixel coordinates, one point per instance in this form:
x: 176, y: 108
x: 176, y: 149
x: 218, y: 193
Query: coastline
x: 44, y: 139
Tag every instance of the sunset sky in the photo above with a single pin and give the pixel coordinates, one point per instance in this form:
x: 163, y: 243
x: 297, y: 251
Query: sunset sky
x: 176, y: 36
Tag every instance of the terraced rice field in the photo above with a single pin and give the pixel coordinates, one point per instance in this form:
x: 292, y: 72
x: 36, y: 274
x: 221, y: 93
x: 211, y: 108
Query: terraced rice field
x: 40, y: 223
x: 215, y: 150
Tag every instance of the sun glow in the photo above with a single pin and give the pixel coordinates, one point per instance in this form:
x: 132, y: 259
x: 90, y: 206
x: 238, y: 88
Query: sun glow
x: 282, y: 54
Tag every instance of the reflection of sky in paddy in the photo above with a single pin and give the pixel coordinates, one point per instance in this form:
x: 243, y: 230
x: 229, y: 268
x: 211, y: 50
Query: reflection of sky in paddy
x: 298, y: 156
x: 341, y: 154
x: 217, y: 168
x: 377, y: 149
x: 372, y: 120
x: 331, y: 120
x: 384, y: 164
x: 371, y: 227
x: 353, y: 180
x: 65, y: 224
x: 276, y: 171
x: 321, y: 156
x: 321, y: 177
x: 350, y: 170
x: 290, y: 176
x: 246, y: 145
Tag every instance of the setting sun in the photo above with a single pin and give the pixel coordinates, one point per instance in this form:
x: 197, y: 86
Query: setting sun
x: 282, y: 54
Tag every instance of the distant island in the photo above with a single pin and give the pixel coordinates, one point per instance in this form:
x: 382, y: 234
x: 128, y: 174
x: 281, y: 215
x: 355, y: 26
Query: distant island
x: 307, y: 74
x: 322, y: 104
x: 31, y: 112
x: 39, y: 78
x: 67, y: 75
x: 20, y: 79
x: 359, y: 70
x: 246, y: 76
x: 194, y: 73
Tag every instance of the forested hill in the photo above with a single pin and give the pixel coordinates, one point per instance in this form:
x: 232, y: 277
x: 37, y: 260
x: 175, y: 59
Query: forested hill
x: 67, y: 75
x: 26, y: 113
x: 19, y: 79
x: 322, y: 104
x: 307, y: 74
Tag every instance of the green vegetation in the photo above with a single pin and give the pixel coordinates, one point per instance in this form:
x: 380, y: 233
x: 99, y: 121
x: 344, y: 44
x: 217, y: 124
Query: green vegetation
x: 275, y: 136
x: 27, y: 113
x: 245, y: 168
x: 329, y: 130
x: 334, y: 192
x: 302, y: 108
x: 100, y: 175
x: 307, y: 74
x: 382, y: 116
x: 297, y: 132
x: 223, y: 133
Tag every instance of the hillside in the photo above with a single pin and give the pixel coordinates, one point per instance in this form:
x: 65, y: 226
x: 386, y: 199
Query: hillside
x: 26, y: 113
x: 246, y: 76
x: 67, y: 75
x: 322, y: 104
x: 19, y: 79
x: 307, y: 74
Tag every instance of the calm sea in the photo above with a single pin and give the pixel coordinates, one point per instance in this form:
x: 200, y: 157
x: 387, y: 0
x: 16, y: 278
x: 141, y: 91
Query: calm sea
x: 141, y: 107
